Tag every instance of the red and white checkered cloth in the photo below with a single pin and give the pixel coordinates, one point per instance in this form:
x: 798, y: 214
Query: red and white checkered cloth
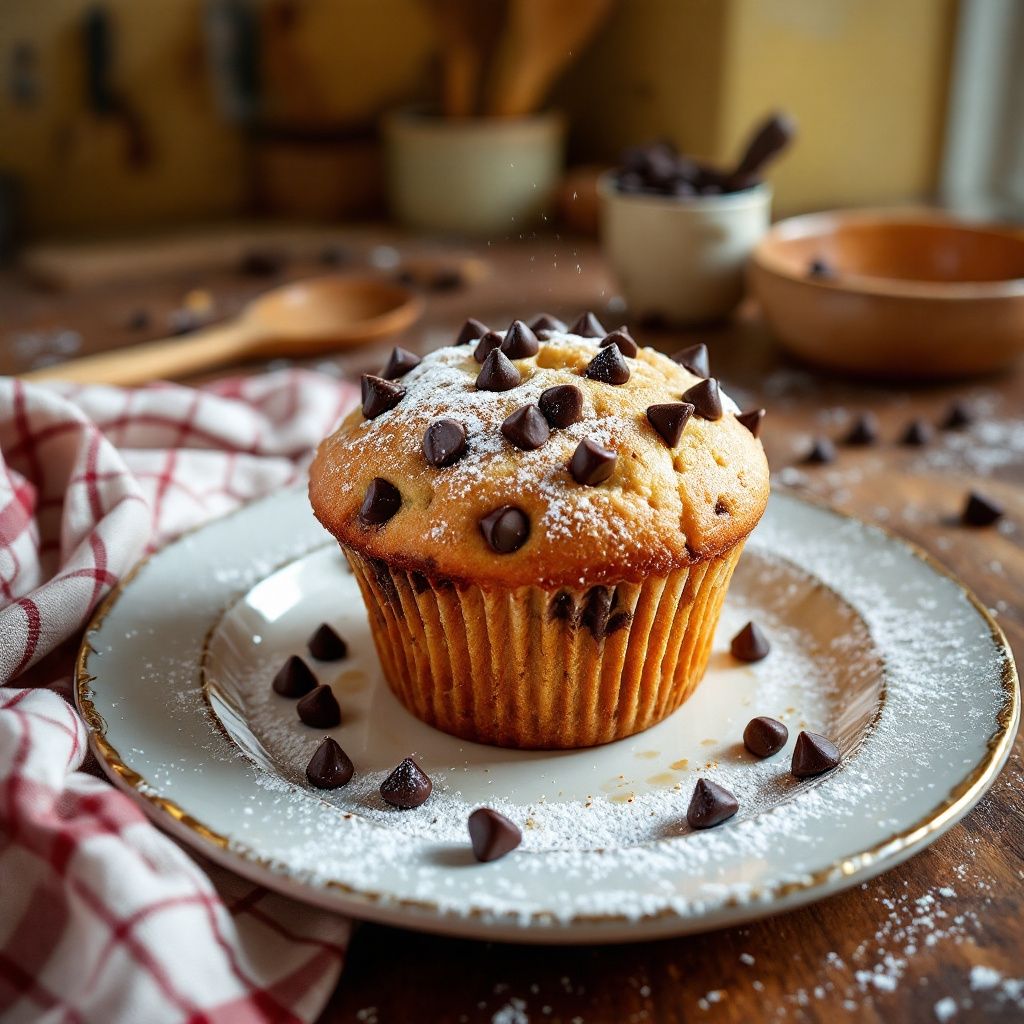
x: 102, y: 917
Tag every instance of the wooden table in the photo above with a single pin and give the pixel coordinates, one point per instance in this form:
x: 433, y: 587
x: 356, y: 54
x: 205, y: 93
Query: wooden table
x: 900, y: 948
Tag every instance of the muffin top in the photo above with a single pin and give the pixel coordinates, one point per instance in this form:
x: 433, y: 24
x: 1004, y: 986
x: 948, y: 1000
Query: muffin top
x: 551, y: 457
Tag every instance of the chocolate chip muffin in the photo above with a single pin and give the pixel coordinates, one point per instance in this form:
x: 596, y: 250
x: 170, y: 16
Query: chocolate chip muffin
x: 543, y: 523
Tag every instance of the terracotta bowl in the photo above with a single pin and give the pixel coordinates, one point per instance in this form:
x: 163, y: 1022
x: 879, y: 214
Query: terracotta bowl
x: 900, y: 295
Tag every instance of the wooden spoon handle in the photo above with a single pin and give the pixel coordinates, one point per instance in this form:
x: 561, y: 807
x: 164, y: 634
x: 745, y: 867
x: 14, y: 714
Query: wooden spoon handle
x: 770, y: 138
x: 155, y: 360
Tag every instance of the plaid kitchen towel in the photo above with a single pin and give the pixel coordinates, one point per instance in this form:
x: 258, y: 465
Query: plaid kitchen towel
x: 102, y: 917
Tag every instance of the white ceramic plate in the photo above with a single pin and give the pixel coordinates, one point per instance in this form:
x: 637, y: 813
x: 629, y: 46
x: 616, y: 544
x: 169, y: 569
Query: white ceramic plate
x: 872, y: 645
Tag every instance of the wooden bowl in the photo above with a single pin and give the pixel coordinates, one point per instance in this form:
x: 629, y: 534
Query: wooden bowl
x: 903, y: 295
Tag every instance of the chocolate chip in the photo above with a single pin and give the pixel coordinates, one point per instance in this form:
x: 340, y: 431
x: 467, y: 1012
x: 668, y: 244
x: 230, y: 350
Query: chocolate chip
x: 980, y: 511
x: 750, y: 643
x: 813, y: 754
x: 326, y: 645
x: 319, y: 709
x: 506, y: 529
x: 379, y: 395
x: 381, y: 501
x: 618, y: 621
x: 520, y: 342
x: 498, y: 373
x: 140, y: 320
x: 622, y: 341
x: 821, y: 452
x: 562, y: 405
x: 335, y: 255
x: 669, y: 419
x: 957, y: 415
x: 752, y: 420
x: 710, y: 805
x: 547, y: 322
x: 492, y: 835
x: 526, y: 428
x: 294, y: 678
x: 706, y: 399
x: 471, y: 330
x: 562, y: 606
x: 695, y: 359
x: 262, y: 262
x: 329, y: 767
x: 400, y: 363
x: 608, y: 366
x: 597, y: 610
x: 444, y: 442
x: 820, y: 269
x: 864, y: 430
x: 446, y: 280
x: 918, y: 433
x: 765, y: 736
x: 407, y: 786
x: 588, y: 326
x: 591, y: 464
x: 486, y: 345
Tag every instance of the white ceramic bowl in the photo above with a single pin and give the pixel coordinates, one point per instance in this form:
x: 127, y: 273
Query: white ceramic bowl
x: 681, y: 259
x: 474, y: 176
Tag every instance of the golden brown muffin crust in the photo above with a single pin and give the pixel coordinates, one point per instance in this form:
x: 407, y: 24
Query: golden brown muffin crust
x: 660, y: 509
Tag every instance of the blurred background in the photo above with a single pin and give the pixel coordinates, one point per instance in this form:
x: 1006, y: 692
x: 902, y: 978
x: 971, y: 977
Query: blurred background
x: 125, y: 115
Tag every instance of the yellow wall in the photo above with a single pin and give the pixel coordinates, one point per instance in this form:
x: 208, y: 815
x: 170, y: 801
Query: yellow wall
x: 867, y: 82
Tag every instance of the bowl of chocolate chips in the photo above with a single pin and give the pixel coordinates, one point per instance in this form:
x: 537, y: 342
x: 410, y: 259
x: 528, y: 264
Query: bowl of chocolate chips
x: 677, y: 231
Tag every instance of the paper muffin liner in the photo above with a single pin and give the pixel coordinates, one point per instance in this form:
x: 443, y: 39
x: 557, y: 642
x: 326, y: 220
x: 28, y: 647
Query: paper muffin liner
x: 533, y: 668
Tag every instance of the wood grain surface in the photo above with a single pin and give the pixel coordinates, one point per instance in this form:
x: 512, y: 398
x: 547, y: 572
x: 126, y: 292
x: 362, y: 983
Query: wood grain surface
x: 939, y: 938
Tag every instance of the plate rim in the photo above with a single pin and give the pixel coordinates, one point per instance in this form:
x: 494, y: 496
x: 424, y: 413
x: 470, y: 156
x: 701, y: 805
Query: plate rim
x: 542, y: 926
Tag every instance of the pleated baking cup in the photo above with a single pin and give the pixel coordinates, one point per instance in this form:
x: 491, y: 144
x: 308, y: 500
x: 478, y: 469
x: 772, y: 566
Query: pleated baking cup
x: 539, y: 669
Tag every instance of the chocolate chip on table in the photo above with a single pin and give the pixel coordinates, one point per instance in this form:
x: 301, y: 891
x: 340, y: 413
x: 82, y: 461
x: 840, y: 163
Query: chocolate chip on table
x: 562, y: 405
x: 492, y: 835
x: 957, y: 416
x: 750, y: 643
x: 335, y: 255
x: 980, y: 511
x: 444, y: 442
x: 752, y: 420
x: 139, y: 320
x: 706, y: 399
x: 813, y: 755
x: 622, y: 341
x: 329, y: 767
x: 547, y: 322
x: 486, y: 345
x: 400, y: 363
x: 864, y: 430
x: 506, y: 529
x: 520, y: 342
x: 695, y: 359
x: 918, y: 433
x: 470, y: 331
x: 608, y: 366
x: 326, y: 645
x: 379, y: 395
x: 381, y: 501
x: 447, y: 279
x: 820, y: 269
x: 821, y: 452
x: 294, y: 678
x: 526, y: 428
x: 669, y: 419
x: 591, y: 464
x: 262, y: 262
x: 710, y: 805
x: 765, y: 736
x: 588, y: 326
x: 498, y: 373
x: 407, y: 786
x: 319, y: 709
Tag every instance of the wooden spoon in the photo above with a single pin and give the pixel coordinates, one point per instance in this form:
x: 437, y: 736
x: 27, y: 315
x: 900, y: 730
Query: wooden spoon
x: 466, y: 30
x: 303, y: 318
x: 542, y: 38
